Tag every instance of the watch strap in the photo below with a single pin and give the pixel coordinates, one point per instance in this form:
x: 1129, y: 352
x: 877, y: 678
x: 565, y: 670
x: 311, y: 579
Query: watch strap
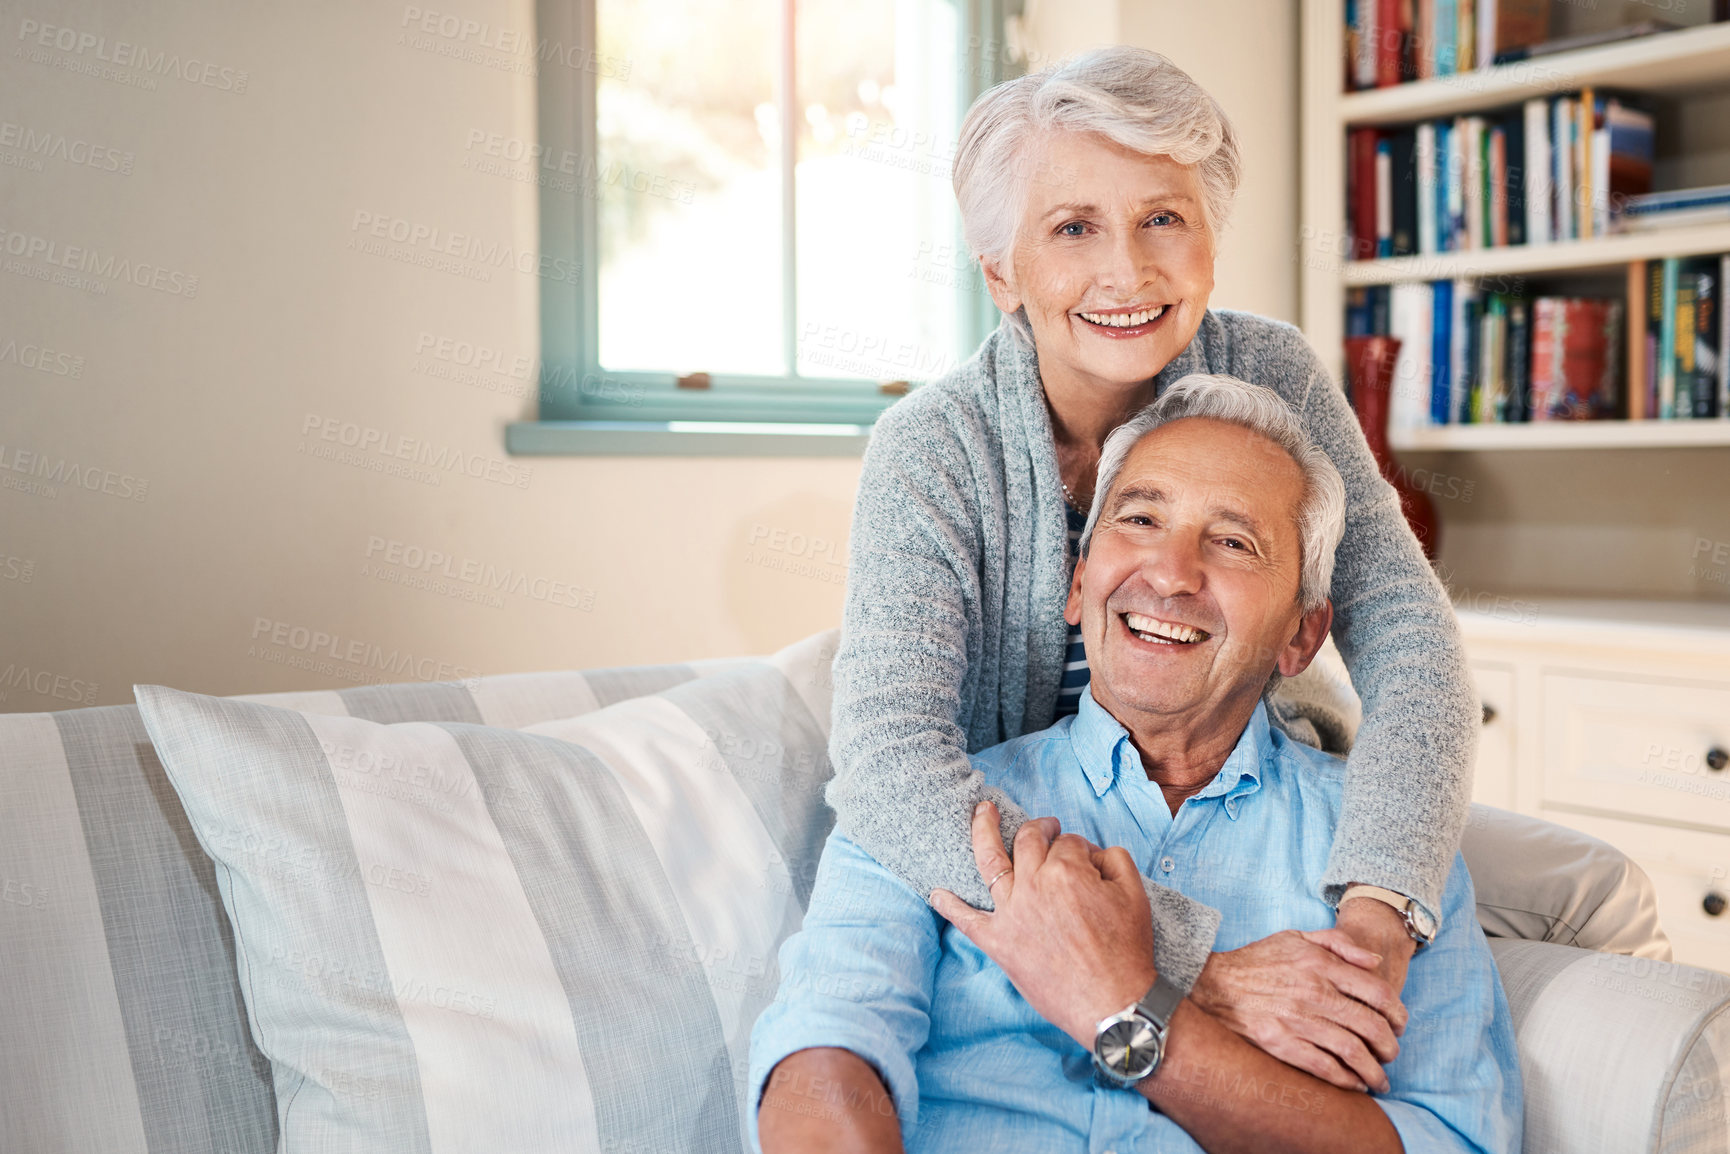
x: 1401, y: 904
x: 1160, y: 1002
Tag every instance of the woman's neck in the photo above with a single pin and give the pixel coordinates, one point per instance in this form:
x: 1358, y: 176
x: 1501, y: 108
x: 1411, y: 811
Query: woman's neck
x: 1084, y: 413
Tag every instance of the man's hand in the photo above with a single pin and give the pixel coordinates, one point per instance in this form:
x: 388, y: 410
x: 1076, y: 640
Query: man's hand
x: 1073, y: 930
x: 1377, y: 928
x: 1312, y: 1000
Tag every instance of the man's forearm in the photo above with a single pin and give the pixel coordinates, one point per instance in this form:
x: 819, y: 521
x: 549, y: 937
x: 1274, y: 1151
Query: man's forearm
x: 827, y: 1099
x: 1230, y: 1096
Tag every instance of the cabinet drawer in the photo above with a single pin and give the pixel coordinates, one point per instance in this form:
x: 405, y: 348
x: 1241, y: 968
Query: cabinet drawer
x: 1493, y: 781
x: 1643, y: 748
x: 1686, y: 866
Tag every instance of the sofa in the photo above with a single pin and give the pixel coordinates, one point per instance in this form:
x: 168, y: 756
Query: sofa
x: 541, y: 911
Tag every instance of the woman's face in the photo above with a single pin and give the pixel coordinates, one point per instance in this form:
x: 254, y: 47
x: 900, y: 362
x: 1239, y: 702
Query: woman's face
x: 1108, y: 236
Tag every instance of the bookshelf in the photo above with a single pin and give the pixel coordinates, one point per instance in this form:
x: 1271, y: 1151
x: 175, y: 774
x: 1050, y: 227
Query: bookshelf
x: 1679, y: 63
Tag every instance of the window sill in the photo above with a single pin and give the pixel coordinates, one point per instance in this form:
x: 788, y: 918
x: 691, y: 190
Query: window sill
x: 684, y: 439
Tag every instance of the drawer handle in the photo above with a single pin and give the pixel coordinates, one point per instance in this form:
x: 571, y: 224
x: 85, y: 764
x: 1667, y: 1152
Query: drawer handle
x: 1716, y: 758
x: 1714, y: 904
x: 1490, y: 715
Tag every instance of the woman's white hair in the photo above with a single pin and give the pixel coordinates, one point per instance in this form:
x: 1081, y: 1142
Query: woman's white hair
x: 1322, y: 511
x: 1133, y: 97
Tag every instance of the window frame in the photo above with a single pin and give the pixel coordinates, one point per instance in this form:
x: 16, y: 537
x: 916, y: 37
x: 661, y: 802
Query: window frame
x: 839, y: 412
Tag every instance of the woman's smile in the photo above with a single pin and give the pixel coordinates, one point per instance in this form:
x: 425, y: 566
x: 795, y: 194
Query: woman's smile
x: 1125, y: 323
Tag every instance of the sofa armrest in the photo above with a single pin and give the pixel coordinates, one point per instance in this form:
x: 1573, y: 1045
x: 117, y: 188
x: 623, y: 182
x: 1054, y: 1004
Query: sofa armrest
x: 1618, y: 1053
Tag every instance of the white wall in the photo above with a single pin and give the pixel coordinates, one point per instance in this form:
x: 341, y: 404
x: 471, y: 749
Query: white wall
x: 205, y: 396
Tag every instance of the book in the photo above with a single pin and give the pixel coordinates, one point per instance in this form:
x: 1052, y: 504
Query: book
x: 1361, y: 192
x: 1358, y: 316
x: 1723, y: 339
x: 1654, y: 325
x: 1514, y: 171
x: 1536, y: 175
x: 1636, y: 391
x: 1452, y: 150
x: 1518, y: 371
x: 1515, y: 25
x: 1464, y: 293
x: 1496, y: 186
x: 1683, y: 330
x: 1708, y: 303
x: 1472, y: 180
x: 1389, y: 37
x: 1575, y: 358
x: 1424, y: 158
x: 1364, y: 40
x: 1697, y: 355
x: 1445, y: 32
x: 1384, y: 198
x: 1410, y: 313
x: 1441, y: 352
x: 1470, y: 362
x: 1584, y: 125
x: 1630, y: 151
x: 1562, y: 124
x: 1667, y: 340
x: 1403, y: 194
x: 1586, y: 40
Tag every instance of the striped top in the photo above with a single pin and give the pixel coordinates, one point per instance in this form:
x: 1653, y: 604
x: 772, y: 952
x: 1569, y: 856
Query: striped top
x: 1075, y: 655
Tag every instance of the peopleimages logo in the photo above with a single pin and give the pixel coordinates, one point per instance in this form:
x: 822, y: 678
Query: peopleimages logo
x: 434, y: 242
x: 58, y: 146
x: 81, y: 259
x: 123, y: 54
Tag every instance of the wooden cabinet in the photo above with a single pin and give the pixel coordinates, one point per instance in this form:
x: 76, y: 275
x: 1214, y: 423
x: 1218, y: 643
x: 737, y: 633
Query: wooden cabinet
x: 1614, y: 718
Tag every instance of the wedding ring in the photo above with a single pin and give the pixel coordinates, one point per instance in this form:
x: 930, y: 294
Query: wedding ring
x: 999, y: 877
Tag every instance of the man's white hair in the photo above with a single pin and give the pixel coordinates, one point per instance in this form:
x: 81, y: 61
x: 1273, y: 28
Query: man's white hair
x: 1321, y: 512
x: 1131, y: 96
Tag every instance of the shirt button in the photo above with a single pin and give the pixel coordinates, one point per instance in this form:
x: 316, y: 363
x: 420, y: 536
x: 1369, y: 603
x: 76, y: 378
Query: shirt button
x: 1165, y: 864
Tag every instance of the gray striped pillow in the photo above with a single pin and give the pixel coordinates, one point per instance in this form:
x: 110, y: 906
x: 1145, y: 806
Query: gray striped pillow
x: 459, y: 936
x: 122, y: 1018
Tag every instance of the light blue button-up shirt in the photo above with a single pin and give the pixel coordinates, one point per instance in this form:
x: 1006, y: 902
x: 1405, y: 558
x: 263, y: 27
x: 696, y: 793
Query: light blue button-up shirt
x: 970, y: 1066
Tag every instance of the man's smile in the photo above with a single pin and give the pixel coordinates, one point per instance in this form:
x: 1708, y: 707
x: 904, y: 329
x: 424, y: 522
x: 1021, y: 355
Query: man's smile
x: 1160, y: 632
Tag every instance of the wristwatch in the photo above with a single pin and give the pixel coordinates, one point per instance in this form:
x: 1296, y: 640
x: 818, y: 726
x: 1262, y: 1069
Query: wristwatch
x: 1128, y: 1045
x: 1419, y: 924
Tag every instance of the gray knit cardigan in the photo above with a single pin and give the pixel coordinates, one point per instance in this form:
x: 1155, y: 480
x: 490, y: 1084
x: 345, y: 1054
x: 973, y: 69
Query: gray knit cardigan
x: 953, y: 634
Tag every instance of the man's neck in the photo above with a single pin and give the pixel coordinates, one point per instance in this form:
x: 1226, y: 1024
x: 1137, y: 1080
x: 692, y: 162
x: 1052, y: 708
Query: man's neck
x: 1181, y: 755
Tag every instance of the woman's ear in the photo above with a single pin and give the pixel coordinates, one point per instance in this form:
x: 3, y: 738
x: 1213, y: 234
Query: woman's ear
x: 1001, y: 287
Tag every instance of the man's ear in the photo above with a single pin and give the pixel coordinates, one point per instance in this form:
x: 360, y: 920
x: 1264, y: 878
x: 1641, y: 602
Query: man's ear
x: 1002, y: 289
x: 1072, y: 607
x: 1312, y: 631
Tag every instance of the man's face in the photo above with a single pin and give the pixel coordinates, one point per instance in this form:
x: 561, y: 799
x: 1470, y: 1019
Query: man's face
x: 1188, y: 597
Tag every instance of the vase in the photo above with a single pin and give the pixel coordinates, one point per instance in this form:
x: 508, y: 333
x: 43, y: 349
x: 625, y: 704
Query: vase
x: 1370, y: 370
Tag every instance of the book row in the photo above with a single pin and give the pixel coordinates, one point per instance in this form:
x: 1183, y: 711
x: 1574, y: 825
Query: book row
x: 1470, y: 356
x: 1548, y: 170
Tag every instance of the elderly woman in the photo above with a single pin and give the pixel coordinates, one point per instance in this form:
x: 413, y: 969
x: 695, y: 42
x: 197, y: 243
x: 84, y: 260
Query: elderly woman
x: 1093, y: 195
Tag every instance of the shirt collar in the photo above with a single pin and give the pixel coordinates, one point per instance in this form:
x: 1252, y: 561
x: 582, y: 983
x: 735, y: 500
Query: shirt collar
x: 1103, y: 748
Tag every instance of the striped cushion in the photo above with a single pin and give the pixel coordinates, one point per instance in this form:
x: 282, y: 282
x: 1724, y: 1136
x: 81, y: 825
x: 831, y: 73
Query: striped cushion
x: 1618, y: 1054
x: 122, y: 1026
x: 454, y: 936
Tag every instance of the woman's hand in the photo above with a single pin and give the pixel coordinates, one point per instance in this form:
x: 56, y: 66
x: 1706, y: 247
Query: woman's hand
x: 1313, y: 1000
x: 1073, y: 930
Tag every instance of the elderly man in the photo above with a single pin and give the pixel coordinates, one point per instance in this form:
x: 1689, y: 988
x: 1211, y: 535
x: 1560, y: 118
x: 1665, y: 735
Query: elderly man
x: 1044, y: 1025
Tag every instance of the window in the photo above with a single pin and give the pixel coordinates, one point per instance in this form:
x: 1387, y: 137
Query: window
x: 766, y: 228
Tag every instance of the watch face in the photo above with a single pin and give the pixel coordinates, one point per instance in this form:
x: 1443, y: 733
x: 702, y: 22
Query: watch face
x: 1129, y: 1047
x: 1422, y: 921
